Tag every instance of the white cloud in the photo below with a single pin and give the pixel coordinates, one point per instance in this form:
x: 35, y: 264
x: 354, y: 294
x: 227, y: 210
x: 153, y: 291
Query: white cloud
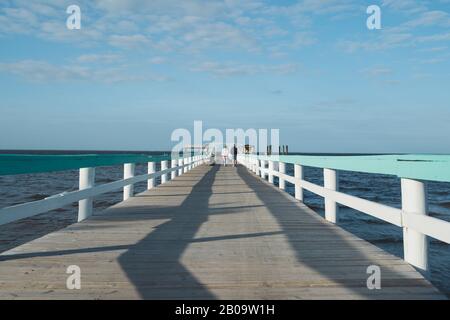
x: 103, y: 58
x: 406, y: 6
x: 167, y: 25
x: 218, y: 35
x: 233, y: 69
x: 386, y: 40
x: 302, y: 39
x: 129, y: 41
x: 44, y: 72
x: 430, y: 18
x: 422, y: 25
x: 157, y: 60
x: 39, y: 71
x: 377, y: 71
x: 435, y: 37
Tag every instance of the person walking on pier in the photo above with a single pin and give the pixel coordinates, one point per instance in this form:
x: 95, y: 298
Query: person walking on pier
x: 234, y: 151
x: 225, y: 154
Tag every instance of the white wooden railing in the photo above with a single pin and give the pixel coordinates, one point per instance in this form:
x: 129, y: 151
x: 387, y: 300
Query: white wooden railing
x: 88, y: 190
x: 413, y: 218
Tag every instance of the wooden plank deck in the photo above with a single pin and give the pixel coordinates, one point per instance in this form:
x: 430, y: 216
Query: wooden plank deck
x: 213, y: 233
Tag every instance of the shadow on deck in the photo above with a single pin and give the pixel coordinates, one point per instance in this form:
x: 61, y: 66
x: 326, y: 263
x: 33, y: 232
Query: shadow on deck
x: 213, y: 233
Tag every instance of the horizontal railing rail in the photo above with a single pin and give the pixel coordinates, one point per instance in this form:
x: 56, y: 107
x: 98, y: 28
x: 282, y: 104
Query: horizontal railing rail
x: 411, y: 169
x: 87, y: 188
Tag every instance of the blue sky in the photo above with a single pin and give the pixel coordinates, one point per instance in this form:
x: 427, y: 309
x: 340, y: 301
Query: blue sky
x: 139, y: 69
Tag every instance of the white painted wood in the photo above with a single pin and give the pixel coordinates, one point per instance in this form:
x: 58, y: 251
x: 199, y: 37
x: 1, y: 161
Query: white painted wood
x: 281, y: 169
x: 271, y: 172
x: 436, y: 228
x: 29, y: 209
x: 330, y: 178
x: 271, y: 248
x: 173, y: 164
x: 128, y: 172
x: 413, y: 221
x: 298, y: 174
x: 186, y: 162
x: 87, y: 180
x: 263, y: 169
x: 180, y: 167
x: 421, y: 223
x: 415, y: 243
x: 151, y: 169
x: 164, y: 165
x: 378, y: 210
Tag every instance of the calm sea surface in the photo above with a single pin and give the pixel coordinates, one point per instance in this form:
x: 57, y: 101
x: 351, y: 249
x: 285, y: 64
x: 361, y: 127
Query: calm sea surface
x: 379, y: 188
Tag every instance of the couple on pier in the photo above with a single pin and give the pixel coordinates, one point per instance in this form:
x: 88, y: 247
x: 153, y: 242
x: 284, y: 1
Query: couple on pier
x: 226, y: 154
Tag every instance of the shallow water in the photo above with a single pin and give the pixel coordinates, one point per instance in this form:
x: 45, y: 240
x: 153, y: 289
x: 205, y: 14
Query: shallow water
x: 380, y: 188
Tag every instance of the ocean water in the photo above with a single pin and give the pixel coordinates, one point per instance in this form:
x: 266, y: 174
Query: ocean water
x: 379, y: 188
x: 386, y: 190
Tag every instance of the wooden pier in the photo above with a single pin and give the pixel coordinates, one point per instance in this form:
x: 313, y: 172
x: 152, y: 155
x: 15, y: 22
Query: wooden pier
x: 211, y: 233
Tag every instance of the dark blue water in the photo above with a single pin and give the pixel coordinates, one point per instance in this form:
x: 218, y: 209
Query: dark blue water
x: 379, y: 188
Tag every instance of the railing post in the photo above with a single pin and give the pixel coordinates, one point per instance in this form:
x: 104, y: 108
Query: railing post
x: 263, y: 171
x: 258, y: 169
x: 298, y: 174
x: 281, y: 169
x: 271, y: 171
x: 150, y: 170
x: 87, y: 180
x: 415, y: 244
x: 186, y: 161
x: 164, y: 164
x: 128, y: 172
x: 180, y: 169
x: 330, y: 180
x: 173, y: 164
